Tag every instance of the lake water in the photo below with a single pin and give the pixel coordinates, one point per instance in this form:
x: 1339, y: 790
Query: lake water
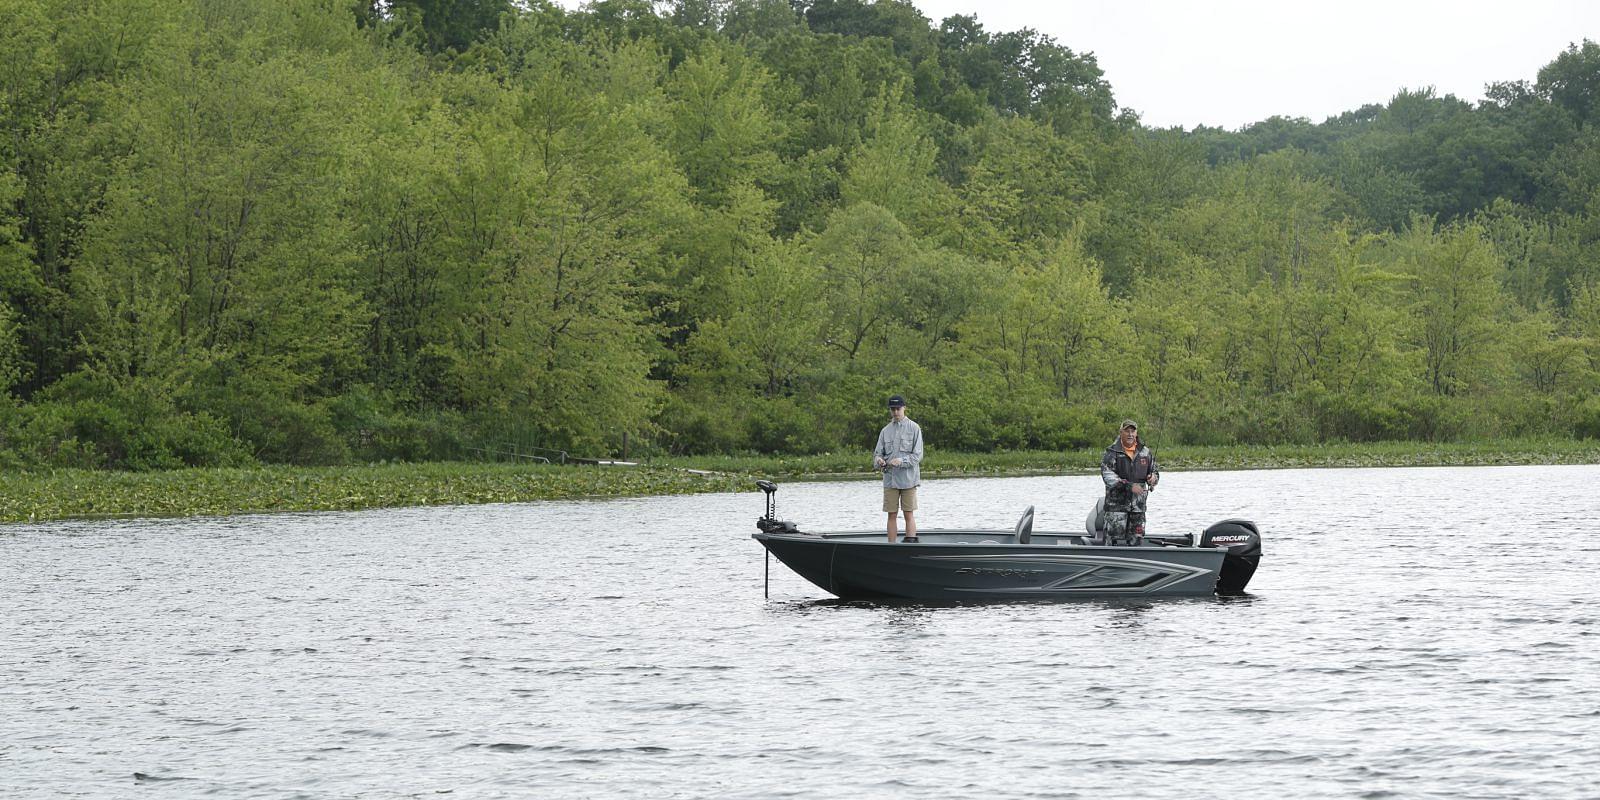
x: 1411, y: 633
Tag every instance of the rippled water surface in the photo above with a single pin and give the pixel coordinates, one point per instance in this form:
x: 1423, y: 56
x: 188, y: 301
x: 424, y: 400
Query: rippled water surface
x: 1411, y: 633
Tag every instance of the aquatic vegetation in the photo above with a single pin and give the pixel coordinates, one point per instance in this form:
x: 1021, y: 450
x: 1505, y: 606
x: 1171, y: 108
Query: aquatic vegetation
x: 65, y: 494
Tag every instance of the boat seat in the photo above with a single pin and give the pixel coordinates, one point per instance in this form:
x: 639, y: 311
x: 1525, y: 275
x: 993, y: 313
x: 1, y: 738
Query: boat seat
x: 1095, y: 525
x: 1025, y: 527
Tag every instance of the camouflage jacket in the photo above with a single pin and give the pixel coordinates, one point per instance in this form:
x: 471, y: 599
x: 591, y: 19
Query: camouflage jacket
x: 1120, y: 472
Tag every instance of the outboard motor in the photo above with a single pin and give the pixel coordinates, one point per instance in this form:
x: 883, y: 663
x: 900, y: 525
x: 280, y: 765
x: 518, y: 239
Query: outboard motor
x: 1242, y: 539
x: 769, y: 523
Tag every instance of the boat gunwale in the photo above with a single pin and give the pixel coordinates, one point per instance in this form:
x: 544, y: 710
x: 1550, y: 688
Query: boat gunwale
x: 878, y: 538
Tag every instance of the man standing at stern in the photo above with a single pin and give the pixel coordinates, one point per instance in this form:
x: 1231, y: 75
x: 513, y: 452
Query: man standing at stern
x: 898, y: 454
x: 1130, y: 472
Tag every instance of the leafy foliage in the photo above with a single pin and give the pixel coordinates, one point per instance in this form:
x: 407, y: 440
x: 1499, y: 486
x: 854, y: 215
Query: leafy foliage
x: 278, y: 231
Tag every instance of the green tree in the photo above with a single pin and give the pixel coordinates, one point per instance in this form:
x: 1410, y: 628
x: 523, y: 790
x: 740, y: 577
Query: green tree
x: 720, y: 128
x: 221, y: 266
x: 1140, y: 180
x: 1082, y: 330
x: 1049, y: 329
x: 1570, y: 176
x: 719, y: 131
x: 1522, y: 240
x: 864, y: 255
x: 895, y: 169
x: 450, y: 24
x: 895, y: 20
x: 61, y: 66
x: 941, y: 286
x: 18, y: 278
x: 1342, y: 320
x: 773, y: 337
x: 1585, y: 321
x: 559, y: 324
x: 1454, y: 302
x: 1025, y: 72
x: 427, y: 206
x: 1572, y: 81
x: 749, y: 19
x: 1382, y: 195
x: 12, y: 366
x: 1262, y: 221
x: 1172, y: 380
x: 1029, y: 184
x: 1548, y: 360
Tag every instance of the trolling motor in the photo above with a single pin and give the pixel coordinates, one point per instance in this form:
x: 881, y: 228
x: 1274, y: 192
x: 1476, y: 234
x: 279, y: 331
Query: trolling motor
x: 769, y: 522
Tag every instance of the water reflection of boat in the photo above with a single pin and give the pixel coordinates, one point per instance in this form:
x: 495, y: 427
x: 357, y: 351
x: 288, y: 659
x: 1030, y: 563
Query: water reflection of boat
x: 1017, y: 563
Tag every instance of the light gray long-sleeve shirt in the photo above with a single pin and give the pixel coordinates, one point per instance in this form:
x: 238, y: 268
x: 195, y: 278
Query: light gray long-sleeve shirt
x: 903, y: 440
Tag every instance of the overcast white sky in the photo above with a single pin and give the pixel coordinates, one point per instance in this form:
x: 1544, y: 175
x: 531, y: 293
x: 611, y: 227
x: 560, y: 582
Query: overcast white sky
x: 1233, y: 62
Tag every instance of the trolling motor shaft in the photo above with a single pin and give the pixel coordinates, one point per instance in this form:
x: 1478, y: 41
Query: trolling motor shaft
x: 772, y: 490
x: 769, y: 523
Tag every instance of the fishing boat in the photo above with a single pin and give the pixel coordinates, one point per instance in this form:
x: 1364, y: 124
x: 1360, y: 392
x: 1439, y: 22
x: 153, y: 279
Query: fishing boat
x: 1017, y: 563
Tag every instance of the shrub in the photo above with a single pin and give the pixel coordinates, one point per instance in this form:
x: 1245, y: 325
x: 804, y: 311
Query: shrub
x: 785, y: 425
x: 265, y: 415
x: 373, y: 428
x: 699, y: 427
x: 88, y: 420
x: 1586, y: 419
x: 1356, y: 418
x: 1431, y: 418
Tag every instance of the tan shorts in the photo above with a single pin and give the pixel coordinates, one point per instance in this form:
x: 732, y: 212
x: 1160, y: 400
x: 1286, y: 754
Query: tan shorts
x: 900, y: 499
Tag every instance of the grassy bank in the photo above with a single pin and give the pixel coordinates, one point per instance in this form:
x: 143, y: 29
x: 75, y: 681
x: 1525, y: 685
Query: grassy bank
x: 65, y: 494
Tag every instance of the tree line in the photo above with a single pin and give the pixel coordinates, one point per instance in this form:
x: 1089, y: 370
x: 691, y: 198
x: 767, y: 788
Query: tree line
x: 325, y: 231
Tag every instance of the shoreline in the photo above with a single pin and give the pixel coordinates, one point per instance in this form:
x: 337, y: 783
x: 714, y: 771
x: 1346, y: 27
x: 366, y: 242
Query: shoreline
x: 61, y: 495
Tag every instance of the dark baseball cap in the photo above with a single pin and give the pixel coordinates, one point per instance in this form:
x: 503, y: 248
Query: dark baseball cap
x: 897, y: 402
x: 1128, y: 423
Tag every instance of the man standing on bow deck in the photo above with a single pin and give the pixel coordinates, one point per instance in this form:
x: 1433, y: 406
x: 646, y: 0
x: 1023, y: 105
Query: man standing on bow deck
x: 898, y: 455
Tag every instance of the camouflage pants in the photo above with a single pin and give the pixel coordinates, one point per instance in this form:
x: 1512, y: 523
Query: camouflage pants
x: 1124, y: 527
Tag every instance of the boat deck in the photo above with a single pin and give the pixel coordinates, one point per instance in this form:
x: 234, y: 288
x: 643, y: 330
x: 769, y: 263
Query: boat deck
x: 985, y: 537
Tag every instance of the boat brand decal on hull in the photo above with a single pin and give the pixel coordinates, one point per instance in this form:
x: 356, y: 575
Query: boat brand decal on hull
x: 1004, y: 573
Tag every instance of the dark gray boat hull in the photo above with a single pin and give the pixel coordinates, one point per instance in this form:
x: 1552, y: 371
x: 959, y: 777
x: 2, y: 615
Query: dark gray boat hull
x: 955, y: 565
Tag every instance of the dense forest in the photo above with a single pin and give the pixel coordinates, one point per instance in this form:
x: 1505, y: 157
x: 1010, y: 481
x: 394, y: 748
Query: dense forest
x: 325, y: 231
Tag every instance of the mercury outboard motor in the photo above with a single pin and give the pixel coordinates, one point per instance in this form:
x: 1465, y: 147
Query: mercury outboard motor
x: 1242, y: 539
x: 769, y: 523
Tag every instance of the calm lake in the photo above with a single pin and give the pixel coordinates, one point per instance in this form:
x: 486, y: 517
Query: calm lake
x: 1411, y: 633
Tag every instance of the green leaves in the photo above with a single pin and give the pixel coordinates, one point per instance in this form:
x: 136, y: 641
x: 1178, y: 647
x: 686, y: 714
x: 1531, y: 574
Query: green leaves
x: 1455, y: 302
x: 1572, y: 81
x: 285, y: 232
